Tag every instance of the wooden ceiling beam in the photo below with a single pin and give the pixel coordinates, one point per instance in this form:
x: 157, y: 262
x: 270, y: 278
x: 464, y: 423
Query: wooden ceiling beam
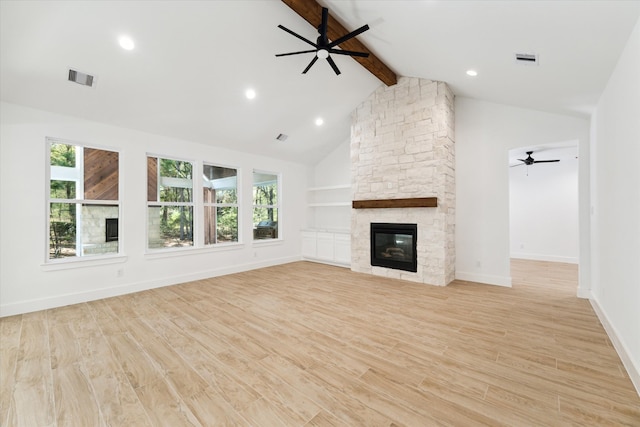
x: 311, y: 11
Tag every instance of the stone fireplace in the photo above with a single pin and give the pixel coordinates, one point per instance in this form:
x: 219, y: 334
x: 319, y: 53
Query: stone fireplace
x: 402, y: 147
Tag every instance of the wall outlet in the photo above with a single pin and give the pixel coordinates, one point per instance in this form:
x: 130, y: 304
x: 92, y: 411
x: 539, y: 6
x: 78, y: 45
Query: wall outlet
x: 389, y: 185
x: 478, y: 263
x: 120, y: 272
x: 521, y: 245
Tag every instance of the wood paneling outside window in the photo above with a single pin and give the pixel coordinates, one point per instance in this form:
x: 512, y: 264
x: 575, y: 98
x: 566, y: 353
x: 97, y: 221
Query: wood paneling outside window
x: 100, y: 174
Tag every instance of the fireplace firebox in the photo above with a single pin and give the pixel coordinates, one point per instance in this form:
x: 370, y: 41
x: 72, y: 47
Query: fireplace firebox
x: 394, y: 246
x: 111, y: 229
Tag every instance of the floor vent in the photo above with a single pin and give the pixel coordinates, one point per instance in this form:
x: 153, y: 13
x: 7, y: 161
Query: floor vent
x: 81, y: 78
x: 527, y: 58
x: 282, y: 137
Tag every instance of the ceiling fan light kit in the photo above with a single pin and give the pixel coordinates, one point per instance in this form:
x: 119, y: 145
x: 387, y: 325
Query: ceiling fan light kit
x: 322, y: 47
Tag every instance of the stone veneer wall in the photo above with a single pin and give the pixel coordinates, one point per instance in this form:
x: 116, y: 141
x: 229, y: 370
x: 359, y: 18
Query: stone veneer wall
x: 93, y: 230
x: 402, y: 146
x: 154, y: 233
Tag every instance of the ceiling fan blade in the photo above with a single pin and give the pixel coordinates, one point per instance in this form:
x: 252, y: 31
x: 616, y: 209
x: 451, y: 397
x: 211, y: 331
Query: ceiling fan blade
x: 349, y: 52
x: 313, y: 61
x: 545, y: 161
x: 513, y: 166
x: 333, y: 65
x: 348, y: 36
x: 298, y: 36
x: 296, y: 53
x: 522, y: 160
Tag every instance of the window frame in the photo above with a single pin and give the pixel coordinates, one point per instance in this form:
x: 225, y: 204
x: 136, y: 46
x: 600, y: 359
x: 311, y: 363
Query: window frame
x: 79, y: 257
x: 215, y: 205
x: 277, y: 206
x: 193, y: 203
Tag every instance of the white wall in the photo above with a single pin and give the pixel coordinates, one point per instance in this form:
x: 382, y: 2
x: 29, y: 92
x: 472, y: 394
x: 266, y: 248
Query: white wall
x: 27, y: 285
x: 616, y: 207
x: 335, y: 168
x: 485, y: 132
x: 543, y: 207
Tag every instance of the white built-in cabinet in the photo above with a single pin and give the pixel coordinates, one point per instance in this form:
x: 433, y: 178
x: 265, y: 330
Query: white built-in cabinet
x: 328, y: 237
x: 327, y: 246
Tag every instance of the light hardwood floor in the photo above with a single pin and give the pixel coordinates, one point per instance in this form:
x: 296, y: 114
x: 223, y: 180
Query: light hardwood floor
x: 307, y: 344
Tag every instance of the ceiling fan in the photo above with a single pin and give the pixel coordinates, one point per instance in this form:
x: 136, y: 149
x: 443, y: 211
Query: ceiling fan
x: 322, y: 46
x: 530, y: 160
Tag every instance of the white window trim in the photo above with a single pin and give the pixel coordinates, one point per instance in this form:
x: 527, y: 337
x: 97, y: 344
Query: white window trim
x: 83, y: 262
x: 191, y: 250
x: 237, y: 205
x: 278, y: 206
x: 195, y: 183
x: 78, y: 261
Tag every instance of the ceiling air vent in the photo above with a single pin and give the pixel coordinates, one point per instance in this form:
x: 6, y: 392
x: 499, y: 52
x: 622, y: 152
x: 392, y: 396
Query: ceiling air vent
x: 81, y: 78
x: 527, y: 58
x: 282, y: 137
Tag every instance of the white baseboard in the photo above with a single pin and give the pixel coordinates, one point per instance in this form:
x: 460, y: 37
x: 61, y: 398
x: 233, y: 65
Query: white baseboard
x: 324, y: 261
x: 484, y: 278
x: 38, y: 304
x: 618, y: 344
x: 584, y: 293
x: 540, y: 257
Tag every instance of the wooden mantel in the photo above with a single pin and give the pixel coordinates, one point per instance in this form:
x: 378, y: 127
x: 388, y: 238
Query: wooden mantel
x: 416, y: 202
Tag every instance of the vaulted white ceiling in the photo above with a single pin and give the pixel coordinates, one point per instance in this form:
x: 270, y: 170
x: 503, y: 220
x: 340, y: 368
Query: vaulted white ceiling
x: 193, y: 61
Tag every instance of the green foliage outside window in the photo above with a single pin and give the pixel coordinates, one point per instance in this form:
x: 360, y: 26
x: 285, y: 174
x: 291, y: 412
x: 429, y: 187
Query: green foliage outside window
x: 265, y: 205
x: 177, y: 224
x: 177, y: 221
x: 63, y: 155
x: 265, y: 200
x: 227, y: 229
x: 62, y: 216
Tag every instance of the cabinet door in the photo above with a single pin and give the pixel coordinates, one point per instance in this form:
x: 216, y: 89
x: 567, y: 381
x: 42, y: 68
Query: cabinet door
x: 324, y: 246
x: 342, y: 248
x: 309, y: 244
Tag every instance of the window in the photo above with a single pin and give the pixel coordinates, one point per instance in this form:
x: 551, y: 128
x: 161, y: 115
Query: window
x: 83, y: 199
x: 169, y: 203
x: 220, y: 195
x: 266, y: 200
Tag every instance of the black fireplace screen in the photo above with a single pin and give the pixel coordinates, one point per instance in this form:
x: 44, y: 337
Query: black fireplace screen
x: 394, y: 246
x: 111, y: 229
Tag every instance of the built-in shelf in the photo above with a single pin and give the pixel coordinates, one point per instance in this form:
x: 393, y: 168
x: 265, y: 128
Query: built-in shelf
x: 335, y: 198
x: 416, y: 202
x: 330, y: 187
x: 328, y: 238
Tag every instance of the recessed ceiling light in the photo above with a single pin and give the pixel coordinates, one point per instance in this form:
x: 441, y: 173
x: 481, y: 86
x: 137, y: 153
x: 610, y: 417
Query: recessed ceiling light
x: 126, y: 43
x: 250, y: 93
x: 319, y: 121
x: 472, y: 73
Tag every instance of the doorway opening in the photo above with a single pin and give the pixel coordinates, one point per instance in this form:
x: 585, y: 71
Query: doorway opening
x: 543, y: 215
